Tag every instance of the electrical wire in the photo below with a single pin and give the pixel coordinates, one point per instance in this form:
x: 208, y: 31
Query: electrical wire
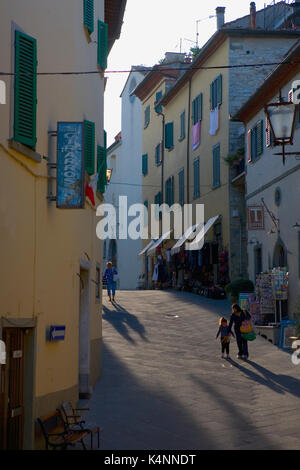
x: 187, y: 68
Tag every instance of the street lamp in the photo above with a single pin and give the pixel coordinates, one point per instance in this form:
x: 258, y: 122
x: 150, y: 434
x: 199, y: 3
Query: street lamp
x: 282, y: 119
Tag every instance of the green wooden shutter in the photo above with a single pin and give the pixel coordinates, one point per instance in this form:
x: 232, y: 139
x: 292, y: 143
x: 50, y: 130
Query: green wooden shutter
x: 102, y: 44
x: 216, y: 166
x: 25, y: 89
x: 89, y: 146
x: 158, y: 109
x: 172, y: 191
x: 219, y: 89
x: 181, y: 186
x: 169, y: 135
x: 101, y: 168
x: 88, y: 15
x: 145, y: 164
x: 196, y: 178
x: 200, y: 98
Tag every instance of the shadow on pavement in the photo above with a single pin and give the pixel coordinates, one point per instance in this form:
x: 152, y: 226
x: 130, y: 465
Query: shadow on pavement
x: 137, y: 414
x: 278, y: 383
x: 242, y: 429
x: 124, y: 321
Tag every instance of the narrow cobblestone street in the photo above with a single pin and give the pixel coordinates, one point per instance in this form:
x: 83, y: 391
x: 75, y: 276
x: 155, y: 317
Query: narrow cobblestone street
x: 165, y: 386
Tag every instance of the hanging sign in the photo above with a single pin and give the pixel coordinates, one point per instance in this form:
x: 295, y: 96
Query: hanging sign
x: 70, y: 166
x: 2, y: 352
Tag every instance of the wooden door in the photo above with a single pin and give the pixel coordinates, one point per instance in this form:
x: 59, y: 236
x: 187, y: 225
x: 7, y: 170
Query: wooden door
x: 12, y: 389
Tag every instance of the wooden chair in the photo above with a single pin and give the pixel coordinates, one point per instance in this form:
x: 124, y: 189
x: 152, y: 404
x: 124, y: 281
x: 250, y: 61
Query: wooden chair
x: 73, y: 420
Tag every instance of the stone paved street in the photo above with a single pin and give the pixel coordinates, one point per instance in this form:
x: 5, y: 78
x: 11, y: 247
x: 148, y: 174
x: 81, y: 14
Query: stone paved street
x: 165, y: 386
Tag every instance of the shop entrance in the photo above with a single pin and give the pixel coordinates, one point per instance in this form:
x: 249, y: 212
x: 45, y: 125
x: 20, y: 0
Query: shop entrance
x: 12, y: 391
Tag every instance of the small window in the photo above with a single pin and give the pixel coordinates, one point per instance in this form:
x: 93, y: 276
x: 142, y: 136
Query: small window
x: 158, y: 108
x: 277, y: 197
x: 255, y: 141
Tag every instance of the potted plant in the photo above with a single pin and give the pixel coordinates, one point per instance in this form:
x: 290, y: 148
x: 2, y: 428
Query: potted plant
x: 238, y: 286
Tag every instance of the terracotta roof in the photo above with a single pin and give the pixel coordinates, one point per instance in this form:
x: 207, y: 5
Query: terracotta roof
x: 114, y: 13
x: 278, y: 78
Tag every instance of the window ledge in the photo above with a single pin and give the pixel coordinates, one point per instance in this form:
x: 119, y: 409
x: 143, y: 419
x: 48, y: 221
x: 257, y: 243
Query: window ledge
x: 216, y: 186
x: 181, y: 138
x: 170, y: 149
x: 28, y: 152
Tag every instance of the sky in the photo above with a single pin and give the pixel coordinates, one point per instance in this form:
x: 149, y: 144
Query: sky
x: 151, y: 28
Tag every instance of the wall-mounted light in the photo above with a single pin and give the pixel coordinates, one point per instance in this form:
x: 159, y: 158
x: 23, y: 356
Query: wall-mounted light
x: 108, y: 175
x: 296, y: 225
x: 282, y: 119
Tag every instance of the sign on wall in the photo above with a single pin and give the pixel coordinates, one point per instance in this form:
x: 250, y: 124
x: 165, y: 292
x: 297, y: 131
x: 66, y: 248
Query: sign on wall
x: 56, y: 333
x: 70, y: 166
x: 256, y: 218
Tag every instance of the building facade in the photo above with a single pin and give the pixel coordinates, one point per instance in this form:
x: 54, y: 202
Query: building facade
x: 272, y: 185
x: 124, y: 159
x: 203, y: 158
x: 51, y: 259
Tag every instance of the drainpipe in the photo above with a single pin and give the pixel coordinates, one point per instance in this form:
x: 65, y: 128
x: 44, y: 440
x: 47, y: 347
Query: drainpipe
x: 188, y: 145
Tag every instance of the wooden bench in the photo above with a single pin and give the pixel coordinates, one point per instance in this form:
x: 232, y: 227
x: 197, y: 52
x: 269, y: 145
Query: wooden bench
x: 73, y: 419
x: 56, y: 433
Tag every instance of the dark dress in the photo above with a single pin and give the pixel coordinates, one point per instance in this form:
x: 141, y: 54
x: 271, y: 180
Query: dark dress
x: 237, y: 321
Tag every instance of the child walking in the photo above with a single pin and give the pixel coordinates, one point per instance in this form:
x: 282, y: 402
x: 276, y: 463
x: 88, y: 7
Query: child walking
x: 225, y: 336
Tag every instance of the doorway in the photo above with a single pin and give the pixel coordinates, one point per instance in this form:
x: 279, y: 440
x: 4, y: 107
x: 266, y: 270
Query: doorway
x: 12, y: 390
x: 84, y: 336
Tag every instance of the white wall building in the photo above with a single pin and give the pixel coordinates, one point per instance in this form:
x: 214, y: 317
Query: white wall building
x: 273, y: 186
x: 124, y: 157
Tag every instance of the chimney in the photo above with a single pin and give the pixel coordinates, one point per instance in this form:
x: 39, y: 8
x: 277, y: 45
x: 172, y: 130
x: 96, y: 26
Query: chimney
x: 252, y: 15
x: 220, y: 14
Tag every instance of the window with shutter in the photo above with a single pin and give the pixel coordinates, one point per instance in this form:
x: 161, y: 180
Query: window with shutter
x: 89, y: 147
x: 169, y: 135
x: 147, y: 117
x: 101, y: 168
x: 25, y: 89
x: 219, y: 89
x: 158, y: 109
x: 145, y: 164
x: 216, y: 166
x: 197, y: 109
x: 257, y: 141
x: 102, y: 44
x: 196, y: 177
x: 182, y: 126
x: 260, y: 138
x: 181, y: 186
x: 158, y: 154
x: 88, y: 15
x: 249, y: 142
x: 216, y: 88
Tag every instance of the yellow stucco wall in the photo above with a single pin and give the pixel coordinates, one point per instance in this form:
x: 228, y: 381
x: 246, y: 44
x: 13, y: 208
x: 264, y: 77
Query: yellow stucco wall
x: 41, y: 246
x: 216, y: 201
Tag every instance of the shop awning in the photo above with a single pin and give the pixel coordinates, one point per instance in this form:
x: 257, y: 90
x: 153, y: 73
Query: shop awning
x: 185, y: 236
x: 197, y: 243
x: 147, y: 247
x: 158, y: 243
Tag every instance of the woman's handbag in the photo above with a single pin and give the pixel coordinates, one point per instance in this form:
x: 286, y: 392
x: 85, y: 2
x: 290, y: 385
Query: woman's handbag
x: 249, y: 336
x: 246, y: 326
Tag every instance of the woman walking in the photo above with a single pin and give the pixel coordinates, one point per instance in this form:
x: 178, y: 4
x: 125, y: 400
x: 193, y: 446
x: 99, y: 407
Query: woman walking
x: 237, y: 317
x: 110, y: 275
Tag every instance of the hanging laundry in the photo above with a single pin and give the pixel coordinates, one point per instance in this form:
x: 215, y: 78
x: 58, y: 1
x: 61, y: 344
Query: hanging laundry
x: 214, y: 121
x: 196, y: 131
